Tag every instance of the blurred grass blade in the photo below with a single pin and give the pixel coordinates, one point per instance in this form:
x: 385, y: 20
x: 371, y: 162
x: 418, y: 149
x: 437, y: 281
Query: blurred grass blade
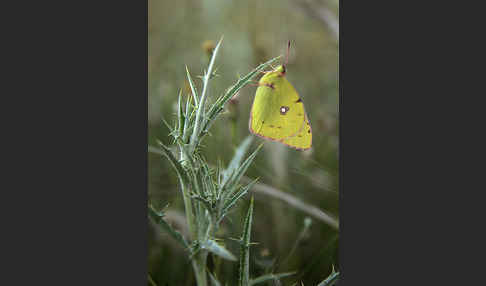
x: 159, y: 219
x: 152, y: 282
x: 193, y: 88
x: 213, y: 247
x: 303, y: 232
x: 295, y: 203
x: 268, y: 277
x: 236, y: 176
x: 235, y: 162
x: 214, y: 281
x: 244, y: 275
x: 331, y: 279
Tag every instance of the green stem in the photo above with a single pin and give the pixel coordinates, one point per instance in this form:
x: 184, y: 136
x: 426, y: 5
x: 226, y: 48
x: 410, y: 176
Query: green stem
x: 188, y: 208
x: 199, y: 265
x: 233, y: 132
x: 151, y: 280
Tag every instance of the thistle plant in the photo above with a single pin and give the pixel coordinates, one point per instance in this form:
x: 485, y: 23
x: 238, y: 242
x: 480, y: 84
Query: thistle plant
x: 209, y: 193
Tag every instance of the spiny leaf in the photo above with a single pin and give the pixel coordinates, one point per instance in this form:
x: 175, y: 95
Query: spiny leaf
x: 270, y: 276
x: 236, y: 176
x: 180, y: 115
x: 193, y: 88
x: 233, y: 200
x: 171, y: 129
x: 202, y: 101
x: 213, y: 247
x: 159, y: 219
x: 214, y: 281
x: 195, y: 181
x: 165, y: 151
x: 331, y: 279
x: 188, y: 117
x: 203, y: 177
x: 206, y: 203
x: 217, y: 107
x: 244, y: 275
x: 208, y: 181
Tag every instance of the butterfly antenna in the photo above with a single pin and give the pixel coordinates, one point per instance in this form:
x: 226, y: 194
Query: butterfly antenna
x: 287, y: 56
x: 286, y: 60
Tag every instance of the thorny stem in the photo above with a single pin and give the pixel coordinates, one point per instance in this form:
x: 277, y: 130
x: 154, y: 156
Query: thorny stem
x: 199, y: 259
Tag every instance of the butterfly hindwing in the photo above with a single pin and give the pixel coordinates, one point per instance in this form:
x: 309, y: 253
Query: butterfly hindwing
x: 303, y: 139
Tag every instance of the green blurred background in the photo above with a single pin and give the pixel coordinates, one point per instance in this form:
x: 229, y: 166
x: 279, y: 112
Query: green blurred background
x: 182, y: 33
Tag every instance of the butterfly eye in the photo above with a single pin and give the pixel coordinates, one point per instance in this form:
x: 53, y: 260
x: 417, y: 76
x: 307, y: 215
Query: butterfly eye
x: 284, y: 109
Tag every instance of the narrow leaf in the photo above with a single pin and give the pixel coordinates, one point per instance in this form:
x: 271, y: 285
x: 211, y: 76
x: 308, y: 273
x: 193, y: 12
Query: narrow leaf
x: 193, y: 87
x: 171, y: 129
x: 244, y: 275
x: 271, y: 276
x: 180, y: 115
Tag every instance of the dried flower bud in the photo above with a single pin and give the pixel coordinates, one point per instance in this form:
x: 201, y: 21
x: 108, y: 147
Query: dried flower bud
x: 208, y: 47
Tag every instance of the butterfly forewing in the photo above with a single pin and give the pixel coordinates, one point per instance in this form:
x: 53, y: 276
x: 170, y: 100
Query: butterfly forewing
x: 277, y: 112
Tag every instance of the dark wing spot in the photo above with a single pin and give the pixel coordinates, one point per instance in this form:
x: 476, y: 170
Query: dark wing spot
x: 263, y: 121
x: 271, y: 126
x: 300, y: 114
x: 299, y: 135
x: 279, y: 127
x: 298, y: 100
x: 308, y: 131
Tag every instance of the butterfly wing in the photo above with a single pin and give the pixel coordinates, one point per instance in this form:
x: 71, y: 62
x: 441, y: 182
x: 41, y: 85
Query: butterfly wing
x: 277, y: 112
x: 303, y: 139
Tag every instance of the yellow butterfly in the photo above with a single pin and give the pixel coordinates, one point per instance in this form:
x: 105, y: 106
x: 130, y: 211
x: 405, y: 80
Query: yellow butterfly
x: 278, y: 112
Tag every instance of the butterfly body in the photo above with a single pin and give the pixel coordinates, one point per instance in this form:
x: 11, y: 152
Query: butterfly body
x: 278, y: 112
